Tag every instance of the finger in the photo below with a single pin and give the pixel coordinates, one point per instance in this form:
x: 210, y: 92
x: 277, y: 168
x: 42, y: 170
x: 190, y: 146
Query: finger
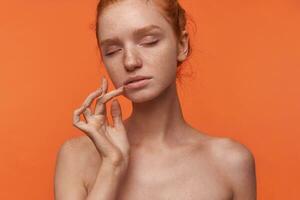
x: 101, y: 103
x: 80, y: 124
x: 104, y: 146
x: 118, y: 124
x: 100, y: 108
x: 111, y: 94
x: 105, y: 84
x: 76, y: 115
x: 87, y: 113
x: 88, y: 101
x: 116, y: 113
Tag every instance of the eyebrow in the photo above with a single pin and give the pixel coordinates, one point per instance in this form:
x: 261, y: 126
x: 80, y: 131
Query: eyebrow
x: 135, y: 32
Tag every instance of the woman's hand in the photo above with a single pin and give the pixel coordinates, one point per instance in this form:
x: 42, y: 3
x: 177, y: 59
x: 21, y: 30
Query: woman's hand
x: 110, y: 141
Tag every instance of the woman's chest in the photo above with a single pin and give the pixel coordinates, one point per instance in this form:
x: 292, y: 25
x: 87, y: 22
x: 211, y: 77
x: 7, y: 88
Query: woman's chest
x: 165, y: 184
x: 176, y: 179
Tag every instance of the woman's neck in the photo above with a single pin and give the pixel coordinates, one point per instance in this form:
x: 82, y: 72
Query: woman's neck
x: 158, y: 122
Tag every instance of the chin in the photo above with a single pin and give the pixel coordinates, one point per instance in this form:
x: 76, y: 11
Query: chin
x: 141, y: 96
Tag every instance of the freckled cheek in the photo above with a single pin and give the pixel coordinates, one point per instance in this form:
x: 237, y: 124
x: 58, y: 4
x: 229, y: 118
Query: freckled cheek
x: 163, y: 60
x: 160, y: 62
x: 115, y: 73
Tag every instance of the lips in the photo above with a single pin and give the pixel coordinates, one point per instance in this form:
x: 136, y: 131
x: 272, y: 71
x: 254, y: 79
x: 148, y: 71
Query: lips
x: 137, y: 85
x: 135, y: 79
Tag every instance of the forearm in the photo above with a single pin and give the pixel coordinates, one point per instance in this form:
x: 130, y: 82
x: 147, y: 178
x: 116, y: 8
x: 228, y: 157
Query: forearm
x: 106, y: 185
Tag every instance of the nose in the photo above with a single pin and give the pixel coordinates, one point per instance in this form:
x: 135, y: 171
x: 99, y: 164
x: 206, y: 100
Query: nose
x: 132, y: 60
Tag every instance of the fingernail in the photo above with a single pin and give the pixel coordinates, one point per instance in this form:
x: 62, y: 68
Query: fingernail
x: 121, y: 88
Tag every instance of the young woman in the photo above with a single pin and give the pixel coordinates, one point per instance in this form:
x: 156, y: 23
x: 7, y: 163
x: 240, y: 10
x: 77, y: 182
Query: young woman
x: 154, y: 154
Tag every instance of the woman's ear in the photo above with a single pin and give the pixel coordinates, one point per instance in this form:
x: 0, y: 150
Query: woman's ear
x: 183, y: 46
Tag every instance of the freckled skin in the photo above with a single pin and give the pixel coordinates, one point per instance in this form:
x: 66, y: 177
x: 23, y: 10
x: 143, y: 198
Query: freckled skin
x: 169, y: 159
x: 203, y: 167
x: 159, y: 61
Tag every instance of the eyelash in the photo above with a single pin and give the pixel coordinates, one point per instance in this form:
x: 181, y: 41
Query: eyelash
x: 151, y: 43
x: 110, y: 54
x: 147, y: 44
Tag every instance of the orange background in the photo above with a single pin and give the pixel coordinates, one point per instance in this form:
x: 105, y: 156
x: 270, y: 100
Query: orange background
x: 242, y: 82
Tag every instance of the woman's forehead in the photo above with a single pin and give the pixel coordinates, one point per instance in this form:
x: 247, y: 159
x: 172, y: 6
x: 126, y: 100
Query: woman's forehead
x: 126, y: 16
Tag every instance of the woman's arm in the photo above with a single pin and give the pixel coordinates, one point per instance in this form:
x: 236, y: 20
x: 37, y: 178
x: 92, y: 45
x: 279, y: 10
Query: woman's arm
x: 243, y: 176
x: 68, y: 178
x: 111, y: 142
x: 238, y: 165
x: 69, y: 175
x: 107, y: 184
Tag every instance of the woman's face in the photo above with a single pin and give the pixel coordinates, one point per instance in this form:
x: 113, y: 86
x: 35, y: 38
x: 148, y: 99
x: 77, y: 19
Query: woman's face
x: 135, y: 39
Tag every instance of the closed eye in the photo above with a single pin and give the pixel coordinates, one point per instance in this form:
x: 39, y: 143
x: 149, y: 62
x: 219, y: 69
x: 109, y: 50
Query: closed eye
x: 151, y: 43
x: 111, y: 53
x: 146, y: 44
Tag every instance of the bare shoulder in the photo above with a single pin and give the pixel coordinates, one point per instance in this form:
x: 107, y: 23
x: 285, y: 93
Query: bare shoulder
x: 83, y: 149
x: 231, y: 154
x: 229, y: 150
x: 236, y: 162
x: 224, y: 151
x: 227, y: 154
x: 76, y: 156
x: 82, y: 143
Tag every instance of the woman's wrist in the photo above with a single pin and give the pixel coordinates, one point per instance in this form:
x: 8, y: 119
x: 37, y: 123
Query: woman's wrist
x: 113, y: 170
